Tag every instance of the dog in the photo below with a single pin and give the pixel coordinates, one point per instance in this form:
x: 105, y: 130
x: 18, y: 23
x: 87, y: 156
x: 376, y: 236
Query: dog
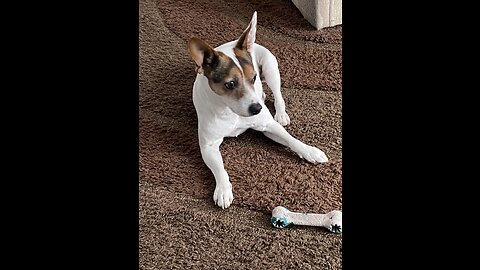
x: 229, y: 99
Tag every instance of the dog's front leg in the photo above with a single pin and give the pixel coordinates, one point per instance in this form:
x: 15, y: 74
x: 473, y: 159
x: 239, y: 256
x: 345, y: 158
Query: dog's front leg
x: 276, y: 132
x: 223, y: 195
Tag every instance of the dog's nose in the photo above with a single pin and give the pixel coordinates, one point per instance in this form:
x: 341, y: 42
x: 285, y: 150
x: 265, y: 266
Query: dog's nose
x: 255, y: 108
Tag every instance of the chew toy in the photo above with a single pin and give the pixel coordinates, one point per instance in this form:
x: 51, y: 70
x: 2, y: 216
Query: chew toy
x: 282, y: 217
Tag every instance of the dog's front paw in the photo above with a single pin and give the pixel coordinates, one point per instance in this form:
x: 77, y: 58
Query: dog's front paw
x: 223, y: 195
x: 282, y: 118
x: 313, y: 154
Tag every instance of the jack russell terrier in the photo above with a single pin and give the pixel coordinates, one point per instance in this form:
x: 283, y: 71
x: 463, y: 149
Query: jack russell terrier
x: 229, y: 99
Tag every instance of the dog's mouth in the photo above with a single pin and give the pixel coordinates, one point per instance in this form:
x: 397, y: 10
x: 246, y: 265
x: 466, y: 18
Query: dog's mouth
x: 242, y: 113
x: 252, y: 110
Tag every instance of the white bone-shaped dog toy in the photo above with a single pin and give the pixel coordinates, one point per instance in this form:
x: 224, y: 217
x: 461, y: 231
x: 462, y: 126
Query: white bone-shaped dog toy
x: 282, y: 217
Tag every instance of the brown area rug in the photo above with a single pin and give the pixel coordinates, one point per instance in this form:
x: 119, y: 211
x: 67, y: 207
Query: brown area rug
x: 264, y: 174
x: 312, y: 65
x: 179, y: 232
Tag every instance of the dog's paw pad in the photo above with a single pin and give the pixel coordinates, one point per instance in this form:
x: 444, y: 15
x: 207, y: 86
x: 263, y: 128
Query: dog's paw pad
x: 223, y: 196
x: 282, y: 118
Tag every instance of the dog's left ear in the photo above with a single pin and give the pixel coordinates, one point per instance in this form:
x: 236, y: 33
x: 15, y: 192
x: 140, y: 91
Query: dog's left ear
x: 247, y: 39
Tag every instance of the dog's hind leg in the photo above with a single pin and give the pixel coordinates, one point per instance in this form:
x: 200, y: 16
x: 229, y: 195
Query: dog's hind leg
x: 277, y: 133
x: 269, y: 69
x: 275, y: 138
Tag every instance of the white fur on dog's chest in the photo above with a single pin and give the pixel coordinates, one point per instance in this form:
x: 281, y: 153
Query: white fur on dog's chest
x: 243, y: 123
x: 228, y: 124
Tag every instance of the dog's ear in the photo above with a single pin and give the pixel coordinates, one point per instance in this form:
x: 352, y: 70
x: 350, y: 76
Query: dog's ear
x: 202, y: 53
x: 247, y: 39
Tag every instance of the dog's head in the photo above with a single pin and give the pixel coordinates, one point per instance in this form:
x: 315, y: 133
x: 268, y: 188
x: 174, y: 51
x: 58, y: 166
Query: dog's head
x: 232, y: 80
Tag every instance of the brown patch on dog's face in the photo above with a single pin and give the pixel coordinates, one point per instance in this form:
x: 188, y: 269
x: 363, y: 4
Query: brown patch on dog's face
x: 245, y: 61
x: 225, y: 78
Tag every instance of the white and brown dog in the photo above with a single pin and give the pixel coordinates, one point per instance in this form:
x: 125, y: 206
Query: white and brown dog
x: 229, y: 99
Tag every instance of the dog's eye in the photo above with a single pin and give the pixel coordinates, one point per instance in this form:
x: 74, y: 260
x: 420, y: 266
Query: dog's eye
x: 230, y: 85
x: 254, y: 78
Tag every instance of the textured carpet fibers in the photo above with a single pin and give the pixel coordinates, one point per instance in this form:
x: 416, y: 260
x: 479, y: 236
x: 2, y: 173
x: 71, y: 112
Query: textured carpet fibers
x: 313, y: 65
x: 264, y: 174
x: 179, y: 232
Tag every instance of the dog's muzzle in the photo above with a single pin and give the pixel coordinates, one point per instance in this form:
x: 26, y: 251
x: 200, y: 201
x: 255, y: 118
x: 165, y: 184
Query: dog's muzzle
x: 255, y: 108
